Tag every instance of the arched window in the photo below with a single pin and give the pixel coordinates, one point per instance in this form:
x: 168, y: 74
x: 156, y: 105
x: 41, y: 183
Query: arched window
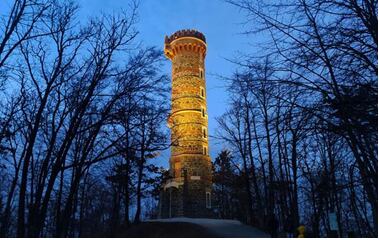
x: 202, y: 92
x: 204, y: 132
x: 201, y: 73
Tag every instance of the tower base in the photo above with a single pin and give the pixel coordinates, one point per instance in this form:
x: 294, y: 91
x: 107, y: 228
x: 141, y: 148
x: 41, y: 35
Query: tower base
x: 185, y: 199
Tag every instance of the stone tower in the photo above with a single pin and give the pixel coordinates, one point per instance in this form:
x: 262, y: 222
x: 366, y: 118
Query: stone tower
x: 188, y: 191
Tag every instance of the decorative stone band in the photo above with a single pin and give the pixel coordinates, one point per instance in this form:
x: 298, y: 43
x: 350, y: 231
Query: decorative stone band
x: 180, y: 117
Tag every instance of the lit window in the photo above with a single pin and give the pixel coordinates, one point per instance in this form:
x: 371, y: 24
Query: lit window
x: 202, y: 92
x: 177, y: 170
x: 208, y: 200
x: 183, y: 172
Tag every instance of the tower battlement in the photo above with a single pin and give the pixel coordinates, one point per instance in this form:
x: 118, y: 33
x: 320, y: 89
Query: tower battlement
x: 185, y: 33
x: 189, y: 41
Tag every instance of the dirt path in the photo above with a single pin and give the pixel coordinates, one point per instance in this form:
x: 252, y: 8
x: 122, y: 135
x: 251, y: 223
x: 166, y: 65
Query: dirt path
x: 217, y: 227
x: 165, y: 230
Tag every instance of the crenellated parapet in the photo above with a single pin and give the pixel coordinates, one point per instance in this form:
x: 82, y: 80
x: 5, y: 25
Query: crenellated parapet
x: 185, y: 41
x: 185, y: 33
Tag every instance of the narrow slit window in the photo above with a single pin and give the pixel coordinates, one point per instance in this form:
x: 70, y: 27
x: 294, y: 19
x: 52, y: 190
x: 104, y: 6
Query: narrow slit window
x: 204, y: 150
x: 202, y: 93
x: 201, y: 73
x: 177, y: 172
x: 208, y: 200
x: 202, y: 112
x: 204, y: 133
x: 183, y: 172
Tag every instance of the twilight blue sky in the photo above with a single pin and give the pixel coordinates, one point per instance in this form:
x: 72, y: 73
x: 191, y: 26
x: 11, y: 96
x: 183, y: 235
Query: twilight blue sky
x: 221, y: 24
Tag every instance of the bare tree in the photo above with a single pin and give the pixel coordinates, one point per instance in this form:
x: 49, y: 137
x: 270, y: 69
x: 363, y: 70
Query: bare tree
x: 63, y: 118
x: 325, y: 54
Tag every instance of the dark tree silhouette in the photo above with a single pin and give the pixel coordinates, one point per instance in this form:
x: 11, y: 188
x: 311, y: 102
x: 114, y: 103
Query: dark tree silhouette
x: 311, y: 98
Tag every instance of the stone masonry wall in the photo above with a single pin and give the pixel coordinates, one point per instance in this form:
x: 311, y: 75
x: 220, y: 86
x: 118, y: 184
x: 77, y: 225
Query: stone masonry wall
x: 190, y: 164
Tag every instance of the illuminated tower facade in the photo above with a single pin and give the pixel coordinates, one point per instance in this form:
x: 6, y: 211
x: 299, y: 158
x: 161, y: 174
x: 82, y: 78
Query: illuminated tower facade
x: 188, y: 192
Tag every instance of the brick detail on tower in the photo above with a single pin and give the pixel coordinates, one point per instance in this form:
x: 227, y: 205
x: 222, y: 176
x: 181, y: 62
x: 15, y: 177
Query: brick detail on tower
x: 188, y: 192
